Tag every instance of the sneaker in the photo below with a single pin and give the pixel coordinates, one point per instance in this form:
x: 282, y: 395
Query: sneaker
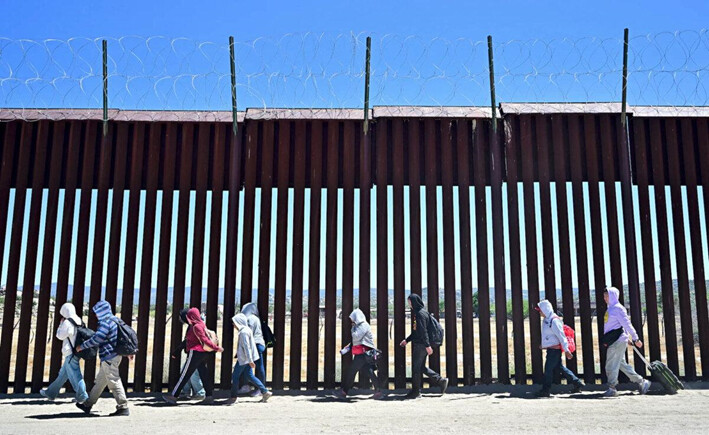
x: 577, y: 387
x: 611, y: 392
x: 209, y: 400
x: 198, y: 397
x: 255, y: 393
x: 644, y: 386
x: 84, y: 407
x: 444, y: 385
x: 543, y: 393
x: 230, y: 401
x: 265, y: 396
x: 340, y: 394
x: 413, y: 395
x: 378, y: 395
x: 122, y: 412
x: 43, y: 393
x: 244, y: 390
x: 172, y: 400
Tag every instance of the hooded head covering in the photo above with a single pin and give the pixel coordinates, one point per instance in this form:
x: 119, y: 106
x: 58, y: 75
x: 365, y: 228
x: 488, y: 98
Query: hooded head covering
x: 416, y: 302
x: 193, y: 316
x: 250, y: 309
x: 240, y: 321
x: 183, y: 315
x: 358, y: 316
x: 102, y: 309
x: 613, y: 296
x: 69, y: 312
x: 545, y: 307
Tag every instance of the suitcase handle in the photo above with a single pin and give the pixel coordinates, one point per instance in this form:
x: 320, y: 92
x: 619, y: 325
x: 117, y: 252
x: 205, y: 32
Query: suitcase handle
x: 635, y: 348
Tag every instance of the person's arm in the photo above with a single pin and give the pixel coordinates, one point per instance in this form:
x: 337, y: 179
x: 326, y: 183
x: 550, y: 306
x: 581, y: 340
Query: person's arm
x: 64, y: 330
x: 422, y: 327
x: 180, y: 347
x: 627, y: 325
x: 98, y: 338
x: 201, y: 334
x: 358, y: 333
x: 558, y: 326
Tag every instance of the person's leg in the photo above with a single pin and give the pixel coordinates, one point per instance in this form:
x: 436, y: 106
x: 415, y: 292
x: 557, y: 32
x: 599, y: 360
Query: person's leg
x: 196, y: 384
x: 73, y: 371
x: 260, y: 367
x: 358, y: 363
x: 371, y: 371
x: 52, y: 390
x: 205, y: 375
x: 418, y: 362
x: 235, y: 376
x: 568, y: 374
x: 615, y: 353
x: 550, y: 366
x: 629, y: 370
x: 100, y: 383
x: 115, y: 385
x: 254, y: 380
x: 193, y: 360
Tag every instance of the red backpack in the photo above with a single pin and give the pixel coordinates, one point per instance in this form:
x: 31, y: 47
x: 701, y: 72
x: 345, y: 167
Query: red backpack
x: 570, y: 336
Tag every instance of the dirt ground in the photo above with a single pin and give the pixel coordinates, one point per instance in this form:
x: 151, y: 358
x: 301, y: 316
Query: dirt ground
x: 497, y: 408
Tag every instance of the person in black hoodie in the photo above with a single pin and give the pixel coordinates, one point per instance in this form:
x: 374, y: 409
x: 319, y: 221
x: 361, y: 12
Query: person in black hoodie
x: 420, y: 322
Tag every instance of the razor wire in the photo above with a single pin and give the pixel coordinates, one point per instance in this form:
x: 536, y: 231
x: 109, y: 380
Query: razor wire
x: 411, y: 75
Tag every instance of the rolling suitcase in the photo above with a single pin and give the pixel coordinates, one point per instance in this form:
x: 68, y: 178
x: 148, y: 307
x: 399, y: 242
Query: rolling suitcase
x: 662, y: 374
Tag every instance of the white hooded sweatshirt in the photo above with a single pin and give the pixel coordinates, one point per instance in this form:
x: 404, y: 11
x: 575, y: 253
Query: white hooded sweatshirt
x: 246, y: 351
x: 552, y: 328
x: 66, y: 330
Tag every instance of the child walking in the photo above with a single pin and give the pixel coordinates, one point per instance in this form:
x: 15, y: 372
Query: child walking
x: 194, y: 388
x: 70, y: 370
x: 554, y: 341
x: 362, y: 341
x: 617, y: 324
x: 196, y: 339
x: 246, y: 356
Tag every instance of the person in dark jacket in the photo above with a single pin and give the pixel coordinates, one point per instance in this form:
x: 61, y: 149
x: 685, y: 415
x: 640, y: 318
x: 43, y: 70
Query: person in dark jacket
x: 420, y: 322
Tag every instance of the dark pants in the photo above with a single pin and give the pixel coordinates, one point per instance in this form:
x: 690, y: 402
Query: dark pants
x: 552, y: 365
x: 195, y: 361
x: 419, y: 368
x: 360, y: 364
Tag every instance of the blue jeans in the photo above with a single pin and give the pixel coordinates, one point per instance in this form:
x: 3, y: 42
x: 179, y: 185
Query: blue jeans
x: 194, y: 387
x: 246, y: 370
x: 260, y: 368
x: 70, y: 371
x: 552, y: 364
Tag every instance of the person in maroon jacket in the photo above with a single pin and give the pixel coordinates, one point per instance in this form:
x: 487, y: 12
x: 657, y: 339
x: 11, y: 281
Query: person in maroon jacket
x: 196, y: 338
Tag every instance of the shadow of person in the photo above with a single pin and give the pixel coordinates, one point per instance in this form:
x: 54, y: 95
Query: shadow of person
x: 62, y: 415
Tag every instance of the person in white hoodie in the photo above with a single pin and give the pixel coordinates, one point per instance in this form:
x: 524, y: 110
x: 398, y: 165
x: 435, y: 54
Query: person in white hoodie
x: 362, y: 342
x: 554, y: 341
x: 70, y: 370
x: 246, y: 357
x: 250, y: 310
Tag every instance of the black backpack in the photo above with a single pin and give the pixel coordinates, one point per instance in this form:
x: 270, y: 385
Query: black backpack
x: 82, y: 334
x: 435, y: 331
x: 268, y: 336
x: 126, y: 339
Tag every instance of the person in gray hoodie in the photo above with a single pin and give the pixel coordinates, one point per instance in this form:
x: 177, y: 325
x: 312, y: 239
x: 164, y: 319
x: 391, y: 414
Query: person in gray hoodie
x: 618, y: 323
x: 250, y: 310
x: 362, y: 342
x: 71, y: 370
x: 554, y: 341
x: 246, y: 357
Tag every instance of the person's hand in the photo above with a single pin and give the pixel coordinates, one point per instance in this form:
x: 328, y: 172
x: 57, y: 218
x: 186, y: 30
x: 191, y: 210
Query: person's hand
x: 429, y: 350
x: 639, y: 344
x: 173, y: 356
x: 540, y: 347
x: 252, y: 365
x: 78, y: 348
x: 403, y: 343
x: 569, y: 355
x: 220, y: 349
x: 131, y: 357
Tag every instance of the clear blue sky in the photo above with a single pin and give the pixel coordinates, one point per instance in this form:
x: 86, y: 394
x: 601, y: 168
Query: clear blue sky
x: 248, y: 21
